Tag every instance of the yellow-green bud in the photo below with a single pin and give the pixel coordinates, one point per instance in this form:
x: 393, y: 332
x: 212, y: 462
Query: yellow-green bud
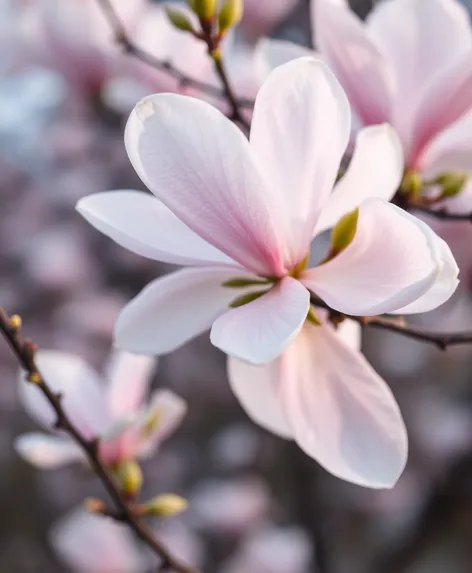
x: 16, y: 322
x: 230, y: 14
x: 412, y: 184
x: 452, y: 183
x: 313, y: 317
x: 34, y: 378
x: 179, y: 20
x: 345, y: 231
x: 166, y: 505
x: 130, y: 477
x: 204, y: 9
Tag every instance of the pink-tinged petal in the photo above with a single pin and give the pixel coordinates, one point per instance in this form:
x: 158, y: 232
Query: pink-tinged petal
x: 375, y: 170
x: 141, y: 223
x: 392, y: 261
x: 261, y: 16
x: 198, y: 163
x: 420, y: 37
x: 445, y: 99
x: 164, y: 415
x: 47, y: 452
x: 356, y: 60
x: 300, y: 130
x: 129, y: 379
x: 172, y: 310
x: 341, y: 412
x: 97, y: 544
x: 83, y: 393
x: 259, y: 331
x: 443, y: 287
x: 256, y: 388
x: 271, y: 53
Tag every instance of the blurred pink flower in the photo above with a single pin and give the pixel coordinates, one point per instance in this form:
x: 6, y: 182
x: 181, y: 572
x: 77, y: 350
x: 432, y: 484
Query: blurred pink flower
x: 75, y: 38
x: 115, y: 411
x: 262, y: 16
x: 409, y: 65
x: 94, y: 544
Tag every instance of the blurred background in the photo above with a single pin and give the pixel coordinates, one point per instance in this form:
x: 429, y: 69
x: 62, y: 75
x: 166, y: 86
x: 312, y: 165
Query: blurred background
x: 257, y: 504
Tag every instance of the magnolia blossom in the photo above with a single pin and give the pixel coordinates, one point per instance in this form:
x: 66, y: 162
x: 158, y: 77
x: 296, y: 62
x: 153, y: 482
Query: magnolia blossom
x: 76, y: 38
x: 261, y: 16
x: 242, y: 215
x: 93, y: 544
x: 409, y: 65
x: 114, y: 411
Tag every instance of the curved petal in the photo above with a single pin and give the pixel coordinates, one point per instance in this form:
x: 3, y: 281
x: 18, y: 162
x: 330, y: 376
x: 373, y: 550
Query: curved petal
x: 259, y: 331
x: 47, y: 452
x: 270, y: 53
x: 420, y: 37
x: 256, y: 388
x: 357, y: 62
x: 129, y: 380
x: 300, y: 130
x: 163, y: 416
x: 443, y: 287
x: 141, y: 223
x: 445, y: 99
x: 375, y: 170
x: 83, y: 393
x: 172, y: 310
x: 199, y: 164
x: 96, y: 544
x: 341, y: 412
x: 392, y: 261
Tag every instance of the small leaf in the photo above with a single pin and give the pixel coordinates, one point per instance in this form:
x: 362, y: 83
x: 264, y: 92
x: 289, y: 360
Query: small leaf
x: 241, y: 283
x: 247, y: 298
x: 179, y: 20
x: 345, y: 231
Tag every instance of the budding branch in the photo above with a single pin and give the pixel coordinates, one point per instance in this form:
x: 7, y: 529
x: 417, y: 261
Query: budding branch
x: 132, y: 49
x: 24, y: 351
x: 441, y: 214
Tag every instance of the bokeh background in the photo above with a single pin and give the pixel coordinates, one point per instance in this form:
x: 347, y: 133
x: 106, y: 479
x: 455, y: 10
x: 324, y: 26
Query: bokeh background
x: 257, y: 504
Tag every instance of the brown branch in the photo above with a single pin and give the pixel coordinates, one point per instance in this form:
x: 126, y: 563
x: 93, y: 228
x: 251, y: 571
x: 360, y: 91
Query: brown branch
x: 441, y: 214
x: 132, y: 49
x: 441, y: 340
x: 24, y: 351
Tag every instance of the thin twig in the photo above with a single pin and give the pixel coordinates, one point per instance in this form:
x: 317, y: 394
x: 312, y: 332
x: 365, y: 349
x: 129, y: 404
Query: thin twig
x: 441, y: 340
x: 441, y: 214
x: 24, y: 351
x: 132, y: 49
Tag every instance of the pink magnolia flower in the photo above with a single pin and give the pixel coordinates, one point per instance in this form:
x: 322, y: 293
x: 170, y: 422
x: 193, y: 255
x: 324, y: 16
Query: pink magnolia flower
x: 114, y: 411
x: 93, y: 544
x: 76, y: 38
x: 261, y: 16
x: 242, y: 216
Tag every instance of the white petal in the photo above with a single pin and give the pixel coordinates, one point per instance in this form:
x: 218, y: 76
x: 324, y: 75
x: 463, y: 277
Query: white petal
x: 97, y: 544
x: 256, y: 387
x: 129, y: 380
x: 259, y: 331
x: 169, y: 411
x: 392, y: 261
x: 375, y: 170
x: 270, y: 53
x: 172, y: 310
x: 83, y: 393
x: 200, y: 165
x: 47, y: 452
x: 444, y: 286
x: 141, y: 223
x: 420, y: 37
x: 341, y: 412
x: 300, y: 130
x: 356, y: 60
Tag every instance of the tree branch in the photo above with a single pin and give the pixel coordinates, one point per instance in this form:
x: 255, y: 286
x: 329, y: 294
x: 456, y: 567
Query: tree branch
x: 439, y: 339
x: 132, y: 49
x: 24, y: 351
x: 441, y: 214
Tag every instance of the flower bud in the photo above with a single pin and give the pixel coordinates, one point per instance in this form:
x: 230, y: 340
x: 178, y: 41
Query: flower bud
x: 130, y: 477
x: 204, y: 9
x: 34, y: 378
x: 166, y: 505
x: 412, y: 184
x: 344, y: 232
x: 94, y: 505
x: 16, y: 322
x: 179, y: 20
x: 452, y: 183
x: 230, y: 15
